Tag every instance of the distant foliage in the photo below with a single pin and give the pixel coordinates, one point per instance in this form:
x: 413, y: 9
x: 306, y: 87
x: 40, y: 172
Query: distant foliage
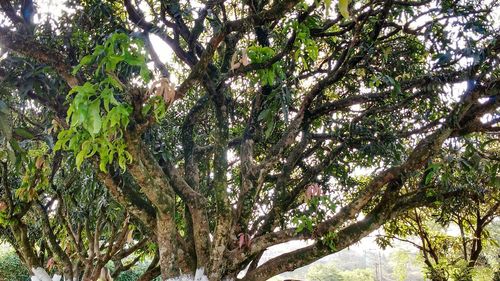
x: 128, y: 276
x: 11, y: 268
x: 401, y: 260
x: 328, y: 272
x: 134, y: 273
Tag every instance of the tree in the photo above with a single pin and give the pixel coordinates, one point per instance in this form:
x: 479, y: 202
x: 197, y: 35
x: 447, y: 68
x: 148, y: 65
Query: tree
x: 72, y: 227
x: 321, y: 272
x: 473, y: 170
x: 278, y: 107
x: 358, y: 274
x: 329, y: 272
x: 11, y: 267
x: 401, y: 260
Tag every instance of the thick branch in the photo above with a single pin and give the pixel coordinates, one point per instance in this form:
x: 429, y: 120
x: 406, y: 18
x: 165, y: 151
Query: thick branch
x: 26, y: 46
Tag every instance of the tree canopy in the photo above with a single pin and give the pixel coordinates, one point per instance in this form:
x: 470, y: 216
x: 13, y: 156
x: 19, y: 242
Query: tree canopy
x: 270, y: 121
x: 447, y: 256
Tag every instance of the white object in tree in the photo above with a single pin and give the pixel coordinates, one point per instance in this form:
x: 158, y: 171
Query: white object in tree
x: 40, y: 275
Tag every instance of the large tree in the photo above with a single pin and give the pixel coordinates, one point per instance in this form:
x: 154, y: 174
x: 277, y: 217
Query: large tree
x: 273, y: 121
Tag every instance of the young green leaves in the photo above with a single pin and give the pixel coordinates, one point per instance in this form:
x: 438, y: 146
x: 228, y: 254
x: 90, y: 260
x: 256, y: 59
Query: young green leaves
x: 97, y: 114
x: 97, y: 121
x: 344, y: 8
x: 259, y: 54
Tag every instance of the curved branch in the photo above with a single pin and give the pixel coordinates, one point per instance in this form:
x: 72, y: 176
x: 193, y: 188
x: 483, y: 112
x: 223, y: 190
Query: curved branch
x: 10, y: 12
x: 26, y: 46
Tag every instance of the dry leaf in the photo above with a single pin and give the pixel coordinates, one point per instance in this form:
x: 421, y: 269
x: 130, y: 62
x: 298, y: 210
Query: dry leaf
x: 163, y: 88
x: 130, y: 235
x: 50, y: 264
x: 39, y: 162
x: 3, y: 206
x: 313, y: 190
x: 234, y: 61
x: 54, y: 127
x: 244, y: 58
x: 241, y: 240
x: 244, y: 240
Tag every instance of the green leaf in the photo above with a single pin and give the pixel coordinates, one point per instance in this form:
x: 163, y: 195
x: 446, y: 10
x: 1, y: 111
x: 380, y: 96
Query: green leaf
x: 103, y: 163
x: 106, y: 98
x: 5, y: 124
x: 114, y: 116
x: 133, y: 60
x: 113, y: 81
x: 16, y: 147
x: 145, y: 110
x: 344, y: 8
x: 432, y: 169
x: 270, y: 129
x: 85, y: 90
x: 121, y: 162
x: 23, y: 133
x: 264, y: 114
x: 94, y: 115
x: 145, y: 74
x: 79, y: 116
x: 79, y: 158
x: 113, y: 60
x: 270, y: 77
x: 87, y: 59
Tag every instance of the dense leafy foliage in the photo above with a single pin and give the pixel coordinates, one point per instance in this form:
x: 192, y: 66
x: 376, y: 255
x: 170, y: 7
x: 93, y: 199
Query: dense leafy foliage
x: 450, y: 256
x: 90, y: 131
x: 325, y: 272
x: 11, y: 267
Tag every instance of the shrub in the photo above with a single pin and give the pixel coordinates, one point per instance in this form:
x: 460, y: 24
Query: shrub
x: 11, y: 267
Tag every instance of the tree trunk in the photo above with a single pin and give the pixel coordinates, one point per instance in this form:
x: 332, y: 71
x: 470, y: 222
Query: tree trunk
x: 166, y: 232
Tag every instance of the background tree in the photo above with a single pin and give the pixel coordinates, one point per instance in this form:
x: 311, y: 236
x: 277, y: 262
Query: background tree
x: 11, y: 267
x: 473, y: 170
x: 71, y: 226
x: 256, y: 132
x: 319, y: 272
x: 400, y: 260
x: 328, y: 272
